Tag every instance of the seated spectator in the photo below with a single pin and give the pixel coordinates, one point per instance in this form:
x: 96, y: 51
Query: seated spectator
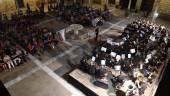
x: 9, y: 62
x: 82, y: 15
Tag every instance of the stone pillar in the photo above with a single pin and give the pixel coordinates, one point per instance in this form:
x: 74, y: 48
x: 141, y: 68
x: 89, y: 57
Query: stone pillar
x: 155, y: 10
x: 89, y: 2
x: 138, y: 4
x: 117, y: 2
x: 106, y: 2
x: 58, y: 1
x: 156, y: 6
x: 129, y: 5
x: 103, y: 2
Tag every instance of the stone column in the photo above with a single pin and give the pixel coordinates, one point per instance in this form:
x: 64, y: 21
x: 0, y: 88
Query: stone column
x: 138, y: 4
x: 156, y: 6
x: 58, y: 2
x: 155, y: 10
x: 103, y: 2
x: 89, y: 3
x: 106, y: 2
x: 117, y: 2
x: 129, y: 5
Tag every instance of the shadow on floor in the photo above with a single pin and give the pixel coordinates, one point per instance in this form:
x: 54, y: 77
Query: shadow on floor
x: 164, y: 85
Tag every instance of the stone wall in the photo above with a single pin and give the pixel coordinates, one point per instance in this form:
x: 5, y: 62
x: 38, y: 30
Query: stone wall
x: 164, y: 9
x: 9, y: 6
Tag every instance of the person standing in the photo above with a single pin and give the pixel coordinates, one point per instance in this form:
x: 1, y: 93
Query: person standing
x: 97, y: 33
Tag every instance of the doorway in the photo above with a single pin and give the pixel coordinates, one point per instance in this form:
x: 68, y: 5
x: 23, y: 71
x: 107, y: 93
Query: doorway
x: 147, y: 5
x: 124, y: 4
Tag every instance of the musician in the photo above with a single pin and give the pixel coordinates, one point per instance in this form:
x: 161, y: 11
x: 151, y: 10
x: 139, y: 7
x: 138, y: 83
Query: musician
x: 97, y: 33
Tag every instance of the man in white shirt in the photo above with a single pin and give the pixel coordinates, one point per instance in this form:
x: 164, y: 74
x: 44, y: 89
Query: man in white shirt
x: 9, y: 62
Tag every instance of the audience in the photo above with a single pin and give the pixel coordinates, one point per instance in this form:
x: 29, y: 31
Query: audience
x: 36, y: 40
x: 79, y: 14
x: 11, y: 54
x: 22, y: 28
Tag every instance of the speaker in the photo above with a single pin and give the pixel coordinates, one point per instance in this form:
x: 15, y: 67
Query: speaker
x: 19, y: 3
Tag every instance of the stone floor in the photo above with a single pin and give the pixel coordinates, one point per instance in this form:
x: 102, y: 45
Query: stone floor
x: 38, y: 84
x: 41, y: 76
